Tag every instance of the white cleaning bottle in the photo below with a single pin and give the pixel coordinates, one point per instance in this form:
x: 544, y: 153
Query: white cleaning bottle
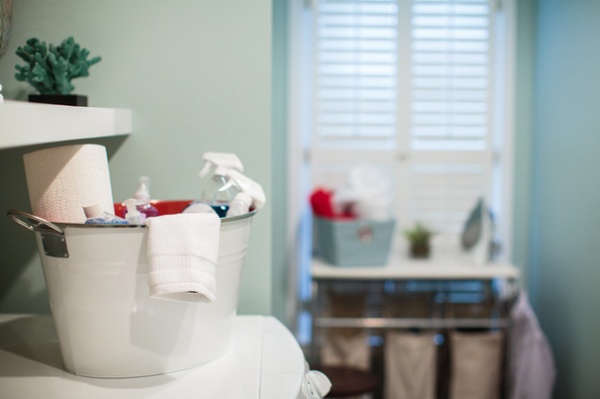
x: 240, y: 205
x: 199, y: 207
x: 249, y: 187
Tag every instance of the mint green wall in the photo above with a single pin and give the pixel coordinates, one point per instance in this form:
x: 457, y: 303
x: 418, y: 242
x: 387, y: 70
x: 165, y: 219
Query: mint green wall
x: 279, y: 143
x: 197, y: 75
x: 565, y: 246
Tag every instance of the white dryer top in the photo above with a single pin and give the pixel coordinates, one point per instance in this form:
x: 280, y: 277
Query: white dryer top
x: 265, y: 362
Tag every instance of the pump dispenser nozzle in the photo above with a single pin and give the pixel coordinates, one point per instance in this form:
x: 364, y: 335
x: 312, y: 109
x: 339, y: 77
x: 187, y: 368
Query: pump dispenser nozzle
x: 142, y: 195
x: 133, y: 216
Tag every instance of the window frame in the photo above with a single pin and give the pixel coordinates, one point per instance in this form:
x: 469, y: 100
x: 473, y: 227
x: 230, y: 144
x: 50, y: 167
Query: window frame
x: 299, y: 123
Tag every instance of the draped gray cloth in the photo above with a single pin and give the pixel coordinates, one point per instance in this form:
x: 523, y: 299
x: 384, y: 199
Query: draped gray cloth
x: 532, y: 371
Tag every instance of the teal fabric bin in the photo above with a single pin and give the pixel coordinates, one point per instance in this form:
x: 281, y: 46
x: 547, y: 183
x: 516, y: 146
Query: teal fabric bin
x: 354, y: 243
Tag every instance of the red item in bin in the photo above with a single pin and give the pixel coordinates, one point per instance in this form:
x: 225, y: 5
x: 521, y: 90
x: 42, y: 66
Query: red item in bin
x: 321, y: 201
x: 164, y: 207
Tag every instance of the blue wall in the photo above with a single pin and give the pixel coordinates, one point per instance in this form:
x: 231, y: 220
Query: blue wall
x: 564, y: 275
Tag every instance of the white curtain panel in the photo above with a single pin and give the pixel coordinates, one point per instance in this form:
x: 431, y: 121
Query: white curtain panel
x: 346, y: 348
x: 476, y: 365
x: 410, y: 365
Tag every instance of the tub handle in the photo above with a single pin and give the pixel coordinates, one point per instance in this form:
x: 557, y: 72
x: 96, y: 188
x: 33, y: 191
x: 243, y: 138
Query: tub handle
x: 33, y: 223
x: 53, y: 237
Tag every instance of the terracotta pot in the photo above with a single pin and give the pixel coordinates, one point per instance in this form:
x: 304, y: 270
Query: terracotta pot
x: 420, y: 250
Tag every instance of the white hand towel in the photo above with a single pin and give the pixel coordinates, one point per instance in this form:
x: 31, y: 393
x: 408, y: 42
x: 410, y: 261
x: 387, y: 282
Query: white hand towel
x: 182, y: 256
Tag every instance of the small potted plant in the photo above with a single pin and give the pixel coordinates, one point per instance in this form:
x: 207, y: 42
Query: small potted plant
x: 50, y: 69
x: 419, y: 240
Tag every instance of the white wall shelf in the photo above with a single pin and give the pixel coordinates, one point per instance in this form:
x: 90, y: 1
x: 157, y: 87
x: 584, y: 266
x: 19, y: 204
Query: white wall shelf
x: 24, y: 123
x: 402, y: 268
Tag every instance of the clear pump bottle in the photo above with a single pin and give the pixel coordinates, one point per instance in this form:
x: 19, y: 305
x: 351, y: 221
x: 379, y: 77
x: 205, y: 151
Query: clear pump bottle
x: 133, y: 215
x: 142, y: 194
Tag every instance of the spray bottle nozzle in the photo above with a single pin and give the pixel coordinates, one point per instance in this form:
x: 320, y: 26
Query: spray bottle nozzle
x: 224, y: 159
x: 248, y: 186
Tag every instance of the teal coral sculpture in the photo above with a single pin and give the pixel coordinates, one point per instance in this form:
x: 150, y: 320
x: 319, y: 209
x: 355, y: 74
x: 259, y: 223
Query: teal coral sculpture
x: 50, y: 69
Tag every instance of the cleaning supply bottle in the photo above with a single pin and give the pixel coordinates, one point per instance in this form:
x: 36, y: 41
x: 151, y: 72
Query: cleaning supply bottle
x: 219, y: 191
x: 248, y: 186
x: 214, y: 159
x: 133, y: 215
x: 94, y: 214
x: 198, y: 207
x: 216, y: 187
x: 240, y: 205
x: 142, y: 194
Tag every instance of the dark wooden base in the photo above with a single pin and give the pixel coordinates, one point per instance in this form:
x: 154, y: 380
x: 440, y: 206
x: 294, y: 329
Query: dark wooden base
x: 60, y: 99
x: 348, y: 381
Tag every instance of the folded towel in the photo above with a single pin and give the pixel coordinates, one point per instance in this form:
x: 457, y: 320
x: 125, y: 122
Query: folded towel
x: 182, y: 256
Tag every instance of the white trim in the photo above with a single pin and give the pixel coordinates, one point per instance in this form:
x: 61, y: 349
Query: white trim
x: 300, y: 123
x: 295, y: 150
x: 509, y: 12
x: 401, y: 267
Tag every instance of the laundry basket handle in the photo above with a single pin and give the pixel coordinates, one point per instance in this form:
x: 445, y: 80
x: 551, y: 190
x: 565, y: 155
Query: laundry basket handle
x: 32, y: 222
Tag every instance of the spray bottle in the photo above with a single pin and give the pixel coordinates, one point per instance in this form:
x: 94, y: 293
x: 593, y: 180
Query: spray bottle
x: 240, y: 205
x: 219, y: 191
x: 248, y: 187
x: 217, y: 188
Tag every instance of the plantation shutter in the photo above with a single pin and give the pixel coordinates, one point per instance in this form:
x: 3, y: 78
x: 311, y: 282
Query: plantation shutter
x: 407, y: 85
x: 356, y: 74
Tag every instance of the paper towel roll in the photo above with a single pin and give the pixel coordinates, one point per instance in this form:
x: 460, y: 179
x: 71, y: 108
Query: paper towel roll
x: 61, y: 180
